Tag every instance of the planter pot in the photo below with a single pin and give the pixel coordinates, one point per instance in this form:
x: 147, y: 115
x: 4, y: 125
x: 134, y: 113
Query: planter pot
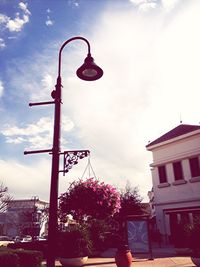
x: 123, y: 257
x: 73, y: 261
x: 196, y: 260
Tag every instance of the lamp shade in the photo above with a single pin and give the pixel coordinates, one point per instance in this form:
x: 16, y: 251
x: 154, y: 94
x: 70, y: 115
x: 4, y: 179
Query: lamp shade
x: 89, y: 71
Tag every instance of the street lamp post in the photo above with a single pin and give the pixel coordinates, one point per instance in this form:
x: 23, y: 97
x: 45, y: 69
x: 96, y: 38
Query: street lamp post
x: 89, y: 71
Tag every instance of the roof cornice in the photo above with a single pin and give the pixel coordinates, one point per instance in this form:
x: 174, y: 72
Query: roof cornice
x: 180, y: 137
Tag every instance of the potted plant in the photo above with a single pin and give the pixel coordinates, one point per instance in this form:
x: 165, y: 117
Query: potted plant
x: 123, y: 257
x: 74, y: 246
x: 193, y: 236
x: 90, y: 202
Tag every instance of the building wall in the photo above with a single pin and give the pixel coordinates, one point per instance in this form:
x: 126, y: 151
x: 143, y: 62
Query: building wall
x: 178, y: 197
x: 178, y: 148
x: 22, y: 216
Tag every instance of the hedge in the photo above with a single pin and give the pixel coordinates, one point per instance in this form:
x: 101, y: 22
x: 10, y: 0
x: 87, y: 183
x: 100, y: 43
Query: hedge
x: 34, y: 245
x: 8, y: 259
x: 20, y: 258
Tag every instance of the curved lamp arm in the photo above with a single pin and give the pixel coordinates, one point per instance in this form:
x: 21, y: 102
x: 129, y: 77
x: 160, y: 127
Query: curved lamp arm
x: 65, y: 43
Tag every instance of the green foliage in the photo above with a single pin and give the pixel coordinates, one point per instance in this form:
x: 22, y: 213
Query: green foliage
x: 38, y: 245
x: 75, y: 242
x: 130, y: 201
x: 192, y: 232
x: 8, y: 259
x: 33, y: 258
x: 100, y: 208
x: 20, y: 258
x: 98, y: 230
x: 4, y: 197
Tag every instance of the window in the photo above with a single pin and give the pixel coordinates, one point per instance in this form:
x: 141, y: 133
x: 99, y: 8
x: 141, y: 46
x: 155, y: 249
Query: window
x: 162, y: 174
x: 178, y: 172
x: 194, y: 167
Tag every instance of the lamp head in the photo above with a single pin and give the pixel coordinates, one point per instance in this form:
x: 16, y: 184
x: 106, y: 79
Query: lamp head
x: 89, y: 71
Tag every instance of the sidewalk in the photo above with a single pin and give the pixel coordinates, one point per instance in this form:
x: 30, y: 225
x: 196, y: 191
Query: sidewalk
x: 162, y: 257
x: 157, y: 262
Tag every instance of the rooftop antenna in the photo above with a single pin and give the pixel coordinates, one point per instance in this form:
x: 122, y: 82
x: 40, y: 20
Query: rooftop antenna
x: 181, y: 119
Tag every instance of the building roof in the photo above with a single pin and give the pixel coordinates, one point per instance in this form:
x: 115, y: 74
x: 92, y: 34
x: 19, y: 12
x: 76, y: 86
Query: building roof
x: 177, y: 131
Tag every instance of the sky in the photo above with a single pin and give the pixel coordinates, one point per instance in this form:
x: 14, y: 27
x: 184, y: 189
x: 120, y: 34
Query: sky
x: 149, y: 51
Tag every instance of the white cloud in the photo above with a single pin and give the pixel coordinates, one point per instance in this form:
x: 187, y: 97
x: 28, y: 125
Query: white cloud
x: 47, y: 85
x: 150, y: 73
x: 169, y: 4
x: 24, y: 7
x: 145, y: 5
x: 3, y: 19
x: 73, y: 3
x: 47, y: 81
x: 25, y: 181
x: 41, y: 126
x: 16, y: 24
x: 12, y: 37
x: 1, y: 86
x: 49, y: 22
x: 2, y: 43
x: 16, y: 140
x: 37, y: 135
x: 138, y: 2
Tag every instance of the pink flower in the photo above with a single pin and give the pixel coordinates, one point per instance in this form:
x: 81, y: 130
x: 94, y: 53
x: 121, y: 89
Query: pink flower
x: 90, y: 198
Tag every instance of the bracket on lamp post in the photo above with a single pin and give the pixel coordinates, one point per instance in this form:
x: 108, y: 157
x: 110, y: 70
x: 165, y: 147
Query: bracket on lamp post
x: 71, y: 158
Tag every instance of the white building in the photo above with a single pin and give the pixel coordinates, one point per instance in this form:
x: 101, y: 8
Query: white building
x: 24, y: 217
x: 176, y: 177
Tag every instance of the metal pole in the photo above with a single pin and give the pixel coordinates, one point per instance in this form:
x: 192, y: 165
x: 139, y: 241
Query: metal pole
x: 56, y: 95
x: 52, y: 228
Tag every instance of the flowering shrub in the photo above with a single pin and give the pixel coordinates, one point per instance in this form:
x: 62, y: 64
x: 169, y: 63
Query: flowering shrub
x: 89, y: 198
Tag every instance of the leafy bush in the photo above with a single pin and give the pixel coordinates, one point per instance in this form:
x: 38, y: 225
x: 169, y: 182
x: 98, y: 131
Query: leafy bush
x: 75, y: 242
x: 192, y: 231
x: 98, y: 230
x: 8, y: 259
x: 32, y: 258
x: 39, y: 245
x: 20, y: 258
x: 130, y: 201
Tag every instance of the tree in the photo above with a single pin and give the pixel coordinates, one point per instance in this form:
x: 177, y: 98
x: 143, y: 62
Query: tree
x: 130, y: 201
x: 4, y: 197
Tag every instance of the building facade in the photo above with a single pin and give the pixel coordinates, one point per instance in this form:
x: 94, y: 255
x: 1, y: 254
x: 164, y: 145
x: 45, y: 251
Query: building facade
x: 176, y: 178
x: 24, y: 217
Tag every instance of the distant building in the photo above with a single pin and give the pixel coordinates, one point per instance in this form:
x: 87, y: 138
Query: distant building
x: 24, y: 217
x: 176, y: 178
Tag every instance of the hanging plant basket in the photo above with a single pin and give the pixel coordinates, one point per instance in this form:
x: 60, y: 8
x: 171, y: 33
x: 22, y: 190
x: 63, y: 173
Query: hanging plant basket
x: 89, y: 198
